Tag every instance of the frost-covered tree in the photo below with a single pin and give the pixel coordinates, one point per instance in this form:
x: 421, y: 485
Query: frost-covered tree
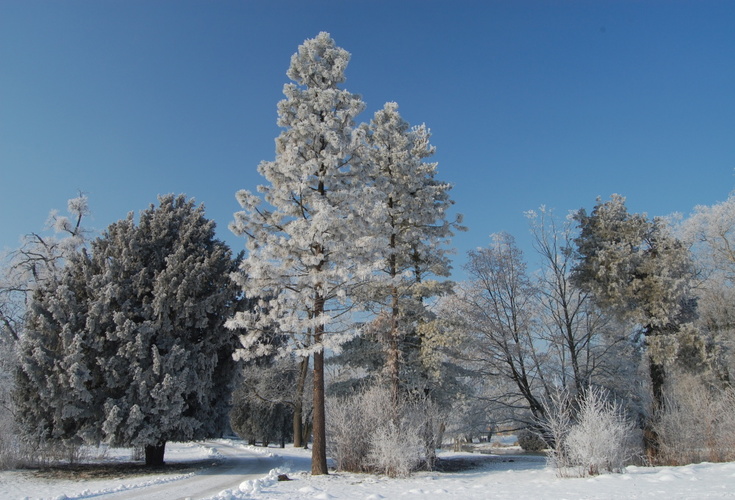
x: 526, y: 335
x: 635, y: 268
x: 39, y: 259
x: 264, y: 401
x: 55, y: 395
x: 129, y: 347
x: 710, y: 233
x: 36, y: 263
x: 311, y: 246
x: 497, y: 308
x: 584, y: 347
x: 416, y: 227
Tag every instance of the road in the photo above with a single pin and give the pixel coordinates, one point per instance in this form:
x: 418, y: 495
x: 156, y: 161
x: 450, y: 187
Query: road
x: 236, y: 466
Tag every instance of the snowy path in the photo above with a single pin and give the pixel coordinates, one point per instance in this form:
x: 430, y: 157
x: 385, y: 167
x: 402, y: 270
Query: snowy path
x: 237, y: 465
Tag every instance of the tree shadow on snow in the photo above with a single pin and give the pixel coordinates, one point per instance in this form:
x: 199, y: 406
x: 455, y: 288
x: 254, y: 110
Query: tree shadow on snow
x: 491, y: 463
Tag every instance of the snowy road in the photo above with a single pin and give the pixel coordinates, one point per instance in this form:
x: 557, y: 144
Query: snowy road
x: 236, y: 465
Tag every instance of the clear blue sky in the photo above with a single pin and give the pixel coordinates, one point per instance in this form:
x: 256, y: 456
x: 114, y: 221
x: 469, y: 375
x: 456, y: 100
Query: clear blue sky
x: 529, y: 102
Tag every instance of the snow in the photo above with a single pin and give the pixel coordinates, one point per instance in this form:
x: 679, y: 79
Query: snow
x: 505, y: 476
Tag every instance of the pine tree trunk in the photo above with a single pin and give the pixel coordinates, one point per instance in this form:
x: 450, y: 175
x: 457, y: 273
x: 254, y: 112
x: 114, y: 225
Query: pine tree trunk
x: 154, y: 454
x: 319, y: 446
x: 394, y: 373
x: 394, y: 354
x: 319, y: 421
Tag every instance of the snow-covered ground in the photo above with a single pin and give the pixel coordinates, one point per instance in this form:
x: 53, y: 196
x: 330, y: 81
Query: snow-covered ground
x: 246, y: 472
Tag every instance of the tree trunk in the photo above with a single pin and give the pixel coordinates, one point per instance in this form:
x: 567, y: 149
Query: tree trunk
x: 297, y: 426
x: 650, y: 436
x: 319, y: 446
x: 658, y: 377
x: 298, y: 415
x: 154, y: 454
x: 306, y: 432
x: 394, y: 354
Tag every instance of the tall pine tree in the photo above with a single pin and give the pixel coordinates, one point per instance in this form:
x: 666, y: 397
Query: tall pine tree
x: 307, y: 252
x: 416, y: 227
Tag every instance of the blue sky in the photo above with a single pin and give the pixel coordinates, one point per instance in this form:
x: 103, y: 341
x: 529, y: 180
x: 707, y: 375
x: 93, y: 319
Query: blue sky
x: 529, y: 102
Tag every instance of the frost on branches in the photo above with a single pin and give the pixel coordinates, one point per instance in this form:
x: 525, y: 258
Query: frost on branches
x: 38, y: 262
x: 637, y: 270
x: 310, y: 247
x: 129, y: 346
x: 353, y: 220
x: 415, y: 226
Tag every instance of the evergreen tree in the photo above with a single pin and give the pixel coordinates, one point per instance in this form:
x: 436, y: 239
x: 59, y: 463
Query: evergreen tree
x: 130, y: 348
x: 416, y: 227
x: 309, y: 250
x: 635, y: 268
x: 54, y: 393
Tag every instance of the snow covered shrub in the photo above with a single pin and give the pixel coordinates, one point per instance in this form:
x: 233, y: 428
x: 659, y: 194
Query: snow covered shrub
x: 366, y: 434
x: 531, y: 441
x: 590, y: 435
x: 13, y: 451
x: 396, y: 450
x: 602, y: 438
x: 557, y: 424
x: 352, y: 422
x: 9, y: 443
x: 697, y: 423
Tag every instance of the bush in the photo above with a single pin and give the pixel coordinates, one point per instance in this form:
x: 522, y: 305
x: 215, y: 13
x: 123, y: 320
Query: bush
x: 602, y: 439
x: 395, y: 450
x: 531, y: 441
x: 696, y: 424
x: 367, y: 434
x: 12, y: 450
x: 598, y: 438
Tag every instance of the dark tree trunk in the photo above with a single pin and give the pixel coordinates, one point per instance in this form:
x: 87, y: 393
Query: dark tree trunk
x: 297, y: 440
x: 658, y: 377
x: 154, y: 454
x: 319, y: 446
x: 298, y: 415
x: 650, y: 436
x: 306, y: 433
x: 394, y: 356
